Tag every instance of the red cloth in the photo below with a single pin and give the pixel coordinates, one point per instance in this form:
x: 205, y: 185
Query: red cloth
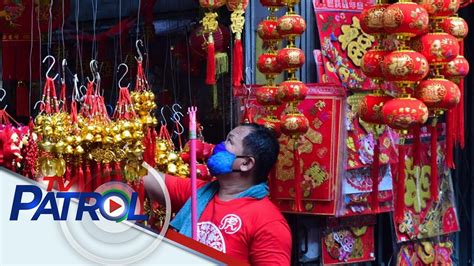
x: 248, y: 229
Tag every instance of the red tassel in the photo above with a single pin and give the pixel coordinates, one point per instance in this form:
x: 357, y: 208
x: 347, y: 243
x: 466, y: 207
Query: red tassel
x: 298, y: 181
x: 450, y: 133
x: 211, y: 62
x: 434, y: 163
x: 237, y: 66
x: 80, y: 178
x: 374, y: 173
x: 97, y: 176
x: 106, y: 173
x: 116, y: 172
x: 416, y: 145
x: 87, y: 179
x: 400, y: 184
x: 461, y: 115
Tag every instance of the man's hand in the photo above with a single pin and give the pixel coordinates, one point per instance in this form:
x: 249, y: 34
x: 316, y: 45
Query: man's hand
x: 152, y: 187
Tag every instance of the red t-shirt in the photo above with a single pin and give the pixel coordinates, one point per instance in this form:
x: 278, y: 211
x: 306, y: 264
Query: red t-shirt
x: 248, y: 229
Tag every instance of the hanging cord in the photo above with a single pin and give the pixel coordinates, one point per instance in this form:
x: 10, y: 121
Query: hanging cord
x: 120, y: 30
x: 31, y: 56
x: 138, y: 19
x: 40, y: 45
x: 78, y: 45
x: 188, y: 59
x: 94, y: 18
x: 62, y: 31
x: 50, y: 26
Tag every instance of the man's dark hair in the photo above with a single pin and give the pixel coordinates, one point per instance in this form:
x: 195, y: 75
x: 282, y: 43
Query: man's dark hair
x: 262, y: 144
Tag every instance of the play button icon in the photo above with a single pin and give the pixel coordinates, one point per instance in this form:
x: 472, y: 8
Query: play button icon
x: 114, y: 205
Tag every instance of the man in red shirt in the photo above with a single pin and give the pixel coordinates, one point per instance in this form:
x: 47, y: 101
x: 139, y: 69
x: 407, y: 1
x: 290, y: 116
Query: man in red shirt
x: 235, y: 215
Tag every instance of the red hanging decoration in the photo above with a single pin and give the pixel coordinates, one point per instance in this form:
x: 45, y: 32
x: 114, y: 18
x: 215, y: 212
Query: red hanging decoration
x: 374, y: 173
x: 237, y: 17
x: 237, y: 66
x: 211, y: 62
x: 298, y: 178
x: 434, y: 161
x: 400, y: 184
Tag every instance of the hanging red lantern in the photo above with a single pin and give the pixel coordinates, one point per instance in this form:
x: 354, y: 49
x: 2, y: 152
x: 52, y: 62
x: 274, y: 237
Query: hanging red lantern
x: 292, y: 91
x: 405, y: 19
x: 291, y: 58
x: 404, y: 113
x: 267, y: 30
x: 212, y: 4
x: 456, y: 69
x: 268, y: 65
x: 291, y: 26
x: 370, y: 108
x: 438, y: 94
x: 371, y: 19
x: 272, y: 123
x: 372, y: 63
x: 405, y: 66
x: 438, y: 48
x: 440, y: 8
x: 455, y: 26
x: 294, y: 124
x: 268, y: 96
x: 272, y: 3
x: 198, y: 40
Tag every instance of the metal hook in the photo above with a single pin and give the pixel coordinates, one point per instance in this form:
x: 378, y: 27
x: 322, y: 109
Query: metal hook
x: 139, y: 52
x: 109, y: 108
x: 93, y: 65
x: 4, y: 94
x: 50, y: 66
x: 124, y: 74
x: 176, y: 117
x: 36, y: 104
x: 163, y: 122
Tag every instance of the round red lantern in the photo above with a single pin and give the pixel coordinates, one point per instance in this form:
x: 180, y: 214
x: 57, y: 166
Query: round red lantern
x: 272, y: 123
x: 268, y: 96
x: 455, y: 26
x: 440, y: 8
x: 438, y: 48
x: 290, y: 58
x: 404, y: 113
x: 268, y: 65
x: 370, y: 108
x: 406, y: 19
x: 456, y: 69
x: 371, y: 19
x: 212, y: 4
x: 372, y: 63
x: 291, y: 25
x: 405, y: 66
x: 294, y: 124
x: 234, y: 4
x: 272, y: 3
x: 267, y: 30
x: 198, y: 40
x: 438, y: 93
x: 292, y: 91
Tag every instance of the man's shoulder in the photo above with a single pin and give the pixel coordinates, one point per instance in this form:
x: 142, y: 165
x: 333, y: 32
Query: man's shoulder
x: 264, y: 211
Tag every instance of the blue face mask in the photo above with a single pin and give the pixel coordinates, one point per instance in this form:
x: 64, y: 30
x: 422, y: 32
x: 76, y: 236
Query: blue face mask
x: 221, y: 160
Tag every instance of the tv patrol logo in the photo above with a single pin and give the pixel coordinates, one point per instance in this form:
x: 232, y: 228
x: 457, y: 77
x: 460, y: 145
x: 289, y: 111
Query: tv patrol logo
x: 115, y: 201
x: 117, y: 237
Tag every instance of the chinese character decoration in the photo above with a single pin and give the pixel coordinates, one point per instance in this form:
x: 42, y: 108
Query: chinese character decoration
x: 268, y: 64
x: 292, y: 91
x: 237, y: 17
x: 210, y: 25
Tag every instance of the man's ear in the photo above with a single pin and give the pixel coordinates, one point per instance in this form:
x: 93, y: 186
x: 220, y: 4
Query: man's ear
x: 248, y: 164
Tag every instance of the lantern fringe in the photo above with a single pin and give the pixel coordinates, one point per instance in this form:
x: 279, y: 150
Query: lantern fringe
x: 400, y: 184
x: 450, y: 135
x: 434, y: 163
x: 106, y: 173
x: 461, y: 116
x: 97, y: 173
x: 374, y: 173
x: 87, y: 179
x: 298, y: 181
x: 416, y: 145
x: 80, y: 177
x: 237, y: 65
x: 116, y: 172
x: 211, y: 62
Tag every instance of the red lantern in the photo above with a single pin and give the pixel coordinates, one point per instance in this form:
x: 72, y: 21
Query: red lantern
x: 405, y: 66
x: 267, y: 30
x: 294, y: 124
x: 438, y: 48
x: 404, y: 113
x: 292, y: 91
x: 456, y: 69
x: 268, y: 64
x: 198, y: 40
x: 438, y: 93
x: 405, y: 19
x: 370, y: 109
x: 291, y: 58
x: 272, y: 3
x: 268, y: 96
x: 440, y: 8
x: 272, y: 123
x: 212, y: 4
x: 455, y: 26
x: 291, y: 25
x: 234, y: 4
x: 372, y: 63
x: 371, y: 19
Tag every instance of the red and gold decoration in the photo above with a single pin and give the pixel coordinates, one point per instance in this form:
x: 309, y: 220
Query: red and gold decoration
x: 210, y: 25
x: 237, y: 17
